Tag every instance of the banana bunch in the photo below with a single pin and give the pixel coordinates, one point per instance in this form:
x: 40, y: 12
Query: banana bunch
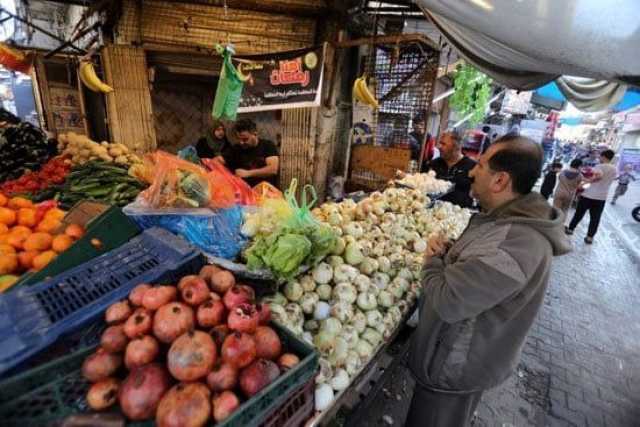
x: 362, y: 93
x: 90, y: 78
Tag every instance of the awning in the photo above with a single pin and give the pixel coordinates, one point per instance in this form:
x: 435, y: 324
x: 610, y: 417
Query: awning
x: 524, y: 45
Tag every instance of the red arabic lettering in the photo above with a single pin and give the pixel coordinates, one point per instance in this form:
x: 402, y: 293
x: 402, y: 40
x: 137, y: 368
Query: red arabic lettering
x: 290, y: 72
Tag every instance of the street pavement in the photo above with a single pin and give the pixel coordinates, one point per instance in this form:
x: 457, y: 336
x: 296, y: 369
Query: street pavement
x: 581, y: 362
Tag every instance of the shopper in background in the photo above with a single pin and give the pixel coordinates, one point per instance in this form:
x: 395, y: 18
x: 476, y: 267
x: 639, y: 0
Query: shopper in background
x: 594, y: 196
x: 482, y: 294
x: 568, y: 182
x: 453, y: 166
x: 214, y: 142
x: 550, y: 178
x: 251, y: 158
x: 417, y: 137
x: 623, y: 182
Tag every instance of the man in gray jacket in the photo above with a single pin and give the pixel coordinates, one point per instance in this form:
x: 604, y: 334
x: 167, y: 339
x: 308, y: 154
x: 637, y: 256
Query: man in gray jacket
x: 482, y: 294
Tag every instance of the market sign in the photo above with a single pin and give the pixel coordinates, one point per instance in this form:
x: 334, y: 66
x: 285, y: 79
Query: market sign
x: 631, y: 123
x: 630, y: 156
x: 286, y: 80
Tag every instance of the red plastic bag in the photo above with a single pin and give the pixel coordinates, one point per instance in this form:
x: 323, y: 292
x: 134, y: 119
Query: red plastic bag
x: 243, y: 193
x: 181, y: 184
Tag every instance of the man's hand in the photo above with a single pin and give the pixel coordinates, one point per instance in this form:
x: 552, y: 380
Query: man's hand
x: 243, y: 173
x: 437, y: 245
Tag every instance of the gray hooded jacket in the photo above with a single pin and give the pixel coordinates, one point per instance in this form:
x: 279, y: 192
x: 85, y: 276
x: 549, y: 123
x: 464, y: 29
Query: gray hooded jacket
x: 482, y: 297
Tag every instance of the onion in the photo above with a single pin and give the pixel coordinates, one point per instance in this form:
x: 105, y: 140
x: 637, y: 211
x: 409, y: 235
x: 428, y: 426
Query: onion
x: 373, y: 318
x: 293, y: 291
x: 307, y: 283
x: 385, y: 299
x: 345, y: 273
x: 340, y: 380
x: 322, y: 310
x: 323, y: 397
x: 345, y: 292
x: 367, y: 301
x: 372, y: 336
x: 331, y: 325
x: 324, y: 292
x: 308, y: 302
x: 322, y: 273
x: 342, y: 311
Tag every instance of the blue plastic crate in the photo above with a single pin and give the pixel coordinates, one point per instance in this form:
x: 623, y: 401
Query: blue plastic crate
x: 33, y: 318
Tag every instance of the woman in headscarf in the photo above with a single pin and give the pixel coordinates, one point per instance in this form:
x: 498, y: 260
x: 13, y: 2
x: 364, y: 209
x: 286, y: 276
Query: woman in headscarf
x: 214, y: 142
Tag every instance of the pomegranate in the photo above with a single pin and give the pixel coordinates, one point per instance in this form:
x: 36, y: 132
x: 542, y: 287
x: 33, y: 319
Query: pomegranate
x: 243, y: 318
x: 114, y: 339
x: 136, y: 295
x: 224, y: 404
x: 223, y: 377
x: 219, y: 334
x: 222, y: 281
x: 207, y: 271
x: 288, y: 361
x: 257, y: 376
x: 195, y: 291
x: 264, y: 314
x: 172, y: 320
x: 211, y: 313
x: 142, y: 390
x: 185, y: 280
x: 239, y: 349
x: 103, y: 394
x: 141, y: 351
x: 238, y: 294
x: 118, y: 312
x: 139, y: 323
x: 101, y: 365
x: 185, y: 405
x: 155, y: 298
x: 268, y: 345
x: 192, y: 356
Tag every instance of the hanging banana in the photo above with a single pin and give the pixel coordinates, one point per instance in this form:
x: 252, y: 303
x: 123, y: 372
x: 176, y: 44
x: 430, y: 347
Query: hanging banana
x: 90, y: 78
x: 362, y: 93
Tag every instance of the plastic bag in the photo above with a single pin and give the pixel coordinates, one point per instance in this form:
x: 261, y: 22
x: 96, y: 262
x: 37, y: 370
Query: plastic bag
x: 215, y: 232
x: 190, y: 154
x: 265, y: 191
x: 229, y: 90
x: 178, y: 183
x: 243, y: 193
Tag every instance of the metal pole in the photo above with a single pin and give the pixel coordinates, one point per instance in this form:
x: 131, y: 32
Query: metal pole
x: 42, y: 30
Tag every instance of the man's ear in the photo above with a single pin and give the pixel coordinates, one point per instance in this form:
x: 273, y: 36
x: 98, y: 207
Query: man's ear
x: 501, y: 181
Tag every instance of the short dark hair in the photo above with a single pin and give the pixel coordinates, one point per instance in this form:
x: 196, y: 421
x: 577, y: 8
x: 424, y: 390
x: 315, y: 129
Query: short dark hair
x: 418, y: 119
x: 575, y: 163
x: 608, y: 154
x: 556, y: 165
x: 521, y: 158
x: 454, y: 134
x: 486, y: 129
x: 245, y: 125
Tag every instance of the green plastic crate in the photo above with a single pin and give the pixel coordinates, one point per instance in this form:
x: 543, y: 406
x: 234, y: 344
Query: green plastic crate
x: 113, y: 228
x: 56, y: 390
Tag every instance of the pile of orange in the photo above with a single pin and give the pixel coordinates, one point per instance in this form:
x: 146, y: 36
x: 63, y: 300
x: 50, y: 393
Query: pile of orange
x: 29, y: 240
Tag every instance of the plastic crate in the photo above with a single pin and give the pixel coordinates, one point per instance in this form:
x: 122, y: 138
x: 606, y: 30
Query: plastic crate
x: 34, y: 317
x: 113, y: 228
x: 57, y: 390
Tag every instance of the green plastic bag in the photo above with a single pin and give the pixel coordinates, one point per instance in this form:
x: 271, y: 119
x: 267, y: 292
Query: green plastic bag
x: 229, y: 91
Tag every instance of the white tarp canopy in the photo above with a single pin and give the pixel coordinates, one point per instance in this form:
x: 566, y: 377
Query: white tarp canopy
x: 526, y: 44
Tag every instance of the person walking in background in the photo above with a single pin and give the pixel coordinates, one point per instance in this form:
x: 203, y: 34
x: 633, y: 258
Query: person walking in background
x: 482, y: 293
x: 549, y: 181
x: 623, y: 182
x: 593, y: 198
x: 568, y: 182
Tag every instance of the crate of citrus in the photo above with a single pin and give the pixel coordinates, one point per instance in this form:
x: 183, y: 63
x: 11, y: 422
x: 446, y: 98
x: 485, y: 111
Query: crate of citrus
x: 31, y: 236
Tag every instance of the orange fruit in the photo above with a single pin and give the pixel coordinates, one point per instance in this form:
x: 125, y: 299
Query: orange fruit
x: 74, y: 230
x: 25, y: 259
x: 8, y: 263
x: 19, y: 202
x: 4, y: 238
x: 54, y: 214
x: 6, y: 248
x: 7, y: 216
x: 48, y: 225
x: 17, y: 240
x: 4, y: 229
x: 41, y: 260
x: 3, y: 200
x: 27, y: 217
x: 61, y: 243
x: 38, y: 242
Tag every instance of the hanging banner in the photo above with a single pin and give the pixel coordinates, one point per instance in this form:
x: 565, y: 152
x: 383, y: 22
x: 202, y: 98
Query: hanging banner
x: 14, y: 59
x: 285, y: 80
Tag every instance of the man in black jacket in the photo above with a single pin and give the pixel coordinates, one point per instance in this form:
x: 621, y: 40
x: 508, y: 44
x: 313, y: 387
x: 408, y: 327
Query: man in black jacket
x: 454, y: 166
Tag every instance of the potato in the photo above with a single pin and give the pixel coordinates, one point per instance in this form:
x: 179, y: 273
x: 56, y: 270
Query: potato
x: 122, y: 160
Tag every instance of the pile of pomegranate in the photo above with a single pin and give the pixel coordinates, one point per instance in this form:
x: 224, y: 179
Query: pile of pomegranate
x: 191, y: 352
